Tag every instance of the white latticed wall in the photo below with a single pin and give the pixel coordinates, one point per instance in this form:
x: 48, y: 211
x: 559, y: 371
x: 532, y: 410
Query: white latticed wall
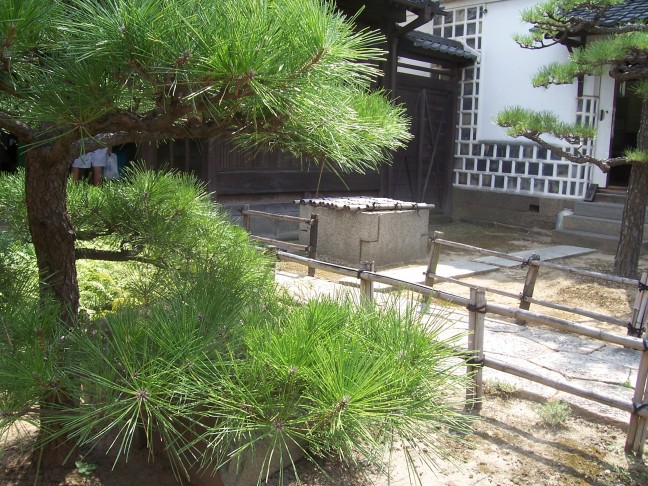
x: 512, y: 167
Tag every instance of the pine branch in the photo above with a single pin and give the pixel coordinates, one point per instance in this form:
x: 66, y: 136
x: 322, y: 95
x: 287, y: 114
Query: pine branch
x: 21, y: 130
x: 114, y: 256
x: 578, y: 157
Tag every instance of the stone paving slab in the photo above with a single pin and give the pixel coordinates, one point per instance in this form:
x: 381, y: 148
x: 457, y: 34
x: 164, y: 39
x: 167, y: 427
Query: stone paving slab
x: 563, y: 341
x: 547, y: 253
x: 575, y: 366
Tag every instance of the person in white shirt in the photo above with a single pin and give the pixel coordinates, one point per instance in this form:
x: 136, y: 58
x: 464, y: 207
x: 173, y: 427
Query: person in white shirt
x: 96, y: 160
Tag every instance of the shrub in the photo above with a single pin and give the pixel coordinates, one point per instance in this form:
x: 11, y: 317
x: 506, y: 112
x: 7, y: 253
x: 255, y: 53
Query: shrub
x: 554, y: 413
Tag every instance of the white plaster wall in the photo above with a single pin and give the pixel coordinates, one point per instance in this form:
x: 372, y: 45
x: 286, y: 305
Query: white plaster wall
x: 507, y: 70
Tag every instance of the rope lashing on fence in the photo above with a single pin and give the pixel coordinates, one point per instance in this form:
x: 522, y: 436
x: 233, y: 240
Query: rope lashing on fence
x: 474, y: 308
x: 636, y: 407
x: 632, y: 331
x: 642, y: 286
x: 475, y: 361
x: 527, y: 262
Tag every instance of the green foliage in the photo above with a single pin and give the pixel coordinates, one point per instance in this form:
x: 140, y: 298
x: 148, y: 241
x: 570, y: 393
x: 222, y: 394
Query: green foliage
x: 554, y: 413
x: 521, y: 121
x: 169, y: 68
x: 159, y: 217
x: 18, y: 276
x: 204, y: 357
x: 501, y: 389
x: 13, y: 209
x: 636, y: 156
x: 329, y: 377
x: 85, y: 468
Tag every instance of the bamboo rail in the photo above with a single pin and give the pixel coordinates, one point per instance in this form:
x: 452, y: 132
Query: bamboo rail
x: 531, y: 300
x: 278, y: 217
x: 595, y: 396
x: 526, y: 296
x: 539, y: 263
x: 312, y: 222
x: 281, y: 244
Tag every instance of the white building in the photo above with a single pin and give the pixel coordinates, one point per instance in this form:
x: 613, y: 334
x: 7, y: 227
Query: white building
x: 499, y: 178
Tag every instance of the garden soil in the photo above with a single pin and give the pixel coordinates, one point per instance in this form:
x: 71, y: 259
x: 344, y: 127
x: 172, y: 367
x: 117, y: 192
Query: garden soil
x: 511, y: 443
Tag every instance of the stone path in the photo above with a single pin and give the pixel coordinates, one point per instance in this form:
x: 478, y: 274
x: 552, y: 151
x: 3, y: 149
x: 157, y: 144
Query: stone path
x: 591, y: 364
x: 469, y: 268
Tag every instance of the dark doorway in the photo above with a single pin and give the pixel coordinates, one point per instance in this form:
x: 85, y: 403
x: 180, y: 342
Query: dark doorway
x: 627, y: 118
x: 422, y: 171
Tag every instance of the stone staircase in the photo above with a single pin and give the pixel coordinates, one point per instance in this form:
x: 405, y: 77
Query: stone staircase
x: 595, y: 224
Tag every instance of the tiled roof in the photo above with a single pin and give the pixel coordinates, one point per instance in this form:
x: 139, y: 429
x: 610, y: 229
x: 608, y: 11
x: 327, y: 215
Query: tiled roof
x: 436, y: 6
x: 626, y: 12
x: 440, y: 45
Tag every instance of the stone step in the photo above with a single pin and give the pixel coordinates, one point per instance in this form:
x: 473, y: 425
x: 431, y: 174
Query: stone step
x: 602, y: 210
x: 601, y: 242
x: 607, y: 243
x: 603, y: 226
x: 610, y: 196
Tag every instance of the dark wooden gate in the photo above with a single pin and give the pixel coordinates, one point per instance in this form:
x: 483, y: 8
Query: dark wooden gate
x: 423, y: 171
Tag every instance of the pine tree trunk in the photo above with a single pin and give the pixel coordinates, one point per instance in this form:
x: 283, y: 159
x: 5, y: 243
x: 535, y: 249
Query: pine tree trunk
x: 626, y: 260
x: 51, y: 229
x: 53, y: 239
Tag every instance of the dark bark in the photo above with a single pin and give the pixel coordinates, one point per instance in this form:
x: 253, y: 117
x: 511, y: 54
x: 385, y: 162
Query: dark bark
x: 55, y: 450
x: 53, y: 239
x: 115, y: 256
x: 626, y: 260
x: 51, y: 228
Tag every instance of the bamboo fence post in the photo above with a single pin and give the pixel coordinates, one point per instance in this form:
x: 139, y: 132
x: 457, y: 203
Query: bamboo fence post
x: 366, y: 285
x: 637, y: 427
x: 529, y: 285
x: 636, y: 325
x: 476, y: 318
x: 312, y: 242
x: 246, y: 218
x: 433, y: 261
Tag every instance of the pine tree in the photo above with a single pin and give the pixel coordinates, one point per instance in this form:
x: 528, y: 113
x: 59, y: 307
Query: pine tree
x: 77, y: 75
x: 287, y: 74
x: 618, y: 49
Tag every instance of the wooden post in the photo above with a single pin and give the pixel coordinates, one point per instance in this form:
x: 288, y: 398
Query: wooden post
x: 529, y: 286
x: 312, y: 242
x: 366, y: 286
x: 246, y: 218
x: 476, y: 318
x: 637, y: 427
x: 636, y: 327
x: 433, y: 261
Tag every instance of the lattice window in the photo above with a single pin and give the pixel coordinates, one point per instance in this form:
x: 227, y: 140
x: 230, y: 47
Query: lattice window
x: 521, y: 167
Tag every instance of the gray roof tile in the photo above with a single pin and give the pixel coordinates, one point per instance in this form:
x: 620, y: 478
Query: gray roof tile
x: 440, y: 44
x: 626, y: 12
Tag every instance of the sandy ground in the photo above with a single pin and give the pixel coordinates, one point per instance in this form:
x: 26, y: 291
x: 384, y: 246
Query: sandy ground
x: 510, y: 445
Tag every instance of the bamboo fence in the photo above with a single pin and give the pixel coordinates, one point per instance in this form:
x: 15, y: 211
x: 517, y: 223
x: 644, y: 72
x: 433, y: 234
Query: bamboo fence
x: 533, y: 263
x: 312, y: 223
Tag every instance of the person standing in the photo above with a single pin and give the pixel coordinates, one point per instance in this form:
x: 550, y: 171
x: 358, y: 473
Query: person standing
x: 95, y: 160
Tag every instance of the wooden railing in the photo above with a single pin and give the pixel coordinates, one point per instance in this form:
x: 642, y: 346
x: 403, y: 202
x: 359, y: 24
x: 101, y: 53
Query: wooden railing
x: 312, y: 222
x: 533, y: 264
x: 478, y: 307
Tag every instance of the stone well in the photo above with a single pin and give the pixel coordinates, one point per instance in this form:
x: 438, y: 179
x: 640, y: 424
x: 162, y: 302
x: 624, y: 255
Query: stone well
x: 356, y: 229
